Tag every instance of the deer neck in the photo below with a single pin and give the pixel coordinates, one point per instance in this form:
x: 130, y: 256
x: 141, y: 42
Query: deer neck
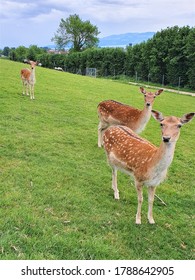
x: 164, y: 155
x: 32, y: 76
x: 160, y: 162
x: 147, y: 111
x: 144, y: 118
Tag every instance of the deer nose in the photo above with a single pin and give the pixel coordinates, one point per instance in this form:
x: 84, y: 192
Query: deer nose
x: 166, y: 138
x: 148, y: 104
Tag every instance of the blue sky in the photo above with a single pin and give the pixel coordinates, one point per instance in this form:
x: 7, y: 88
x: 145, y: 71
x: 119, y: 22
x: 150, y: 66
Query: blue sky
x: 24, y: 22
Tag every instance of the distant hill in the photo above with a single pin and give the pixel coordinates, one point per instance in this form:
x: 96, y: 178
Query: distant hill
x: 121, y: 40
x: 126, y: 39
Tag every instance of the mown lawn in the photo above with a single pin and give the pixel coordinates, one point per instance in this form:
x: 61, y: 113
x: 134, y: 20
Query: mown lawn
x: 55, y: 184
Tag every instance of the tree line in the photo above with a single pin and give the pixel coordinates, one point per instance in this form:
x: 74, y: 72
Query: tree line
x: 168, y: 58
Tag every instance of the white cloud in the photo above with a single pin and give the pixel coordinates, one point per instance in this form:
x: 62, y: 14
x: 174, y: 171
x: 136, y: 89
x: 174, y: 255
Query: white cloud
x: 101, y: 10
x: 110, y: 16
x: 12, y: 9
x: 45, y: 17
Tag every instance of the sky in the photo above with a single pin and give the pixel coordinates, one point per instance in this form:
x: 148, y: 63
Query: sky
x: 34, y: 22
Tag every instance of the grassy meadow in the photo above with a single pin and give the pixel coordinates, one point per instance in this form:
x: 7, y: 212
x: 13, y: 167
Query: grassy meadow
x: 56, y: 200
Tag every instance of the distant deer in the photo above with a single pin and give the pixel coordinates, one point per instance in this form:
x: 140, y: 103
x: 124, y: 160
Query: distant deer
x: 111, y: 112
x: 146, y: 163
x: 28, y: 79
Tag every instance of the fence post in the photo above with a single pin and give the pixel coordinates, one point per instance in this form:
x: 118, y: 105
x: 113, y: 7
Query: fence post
x: 148, y: 77
x: 136, y: 76
x: 179, y: 82
x: 163, y: 79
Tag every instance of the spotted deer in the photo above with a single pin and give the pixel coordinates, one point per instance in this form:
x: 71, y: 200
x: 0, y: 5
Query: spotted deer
x: 111, y: 112
x: 146, y: 163
x: 28, y: 79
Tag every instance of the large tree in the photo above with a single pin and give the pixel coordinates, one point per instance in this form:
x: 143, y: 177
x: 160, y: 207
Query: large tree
x: 78, y: 34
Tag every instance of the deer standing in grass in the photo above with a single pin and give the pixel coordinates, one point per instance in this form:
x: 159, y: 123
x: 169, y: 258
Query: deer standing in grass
x: 28, y: 79
x: 146, y: 163
x: 111, y: 112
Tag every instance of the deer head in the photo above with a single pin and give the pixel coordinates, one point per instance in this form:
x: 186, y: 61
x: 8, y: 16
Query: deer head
x: 170, y: 126
x: 150, y: 96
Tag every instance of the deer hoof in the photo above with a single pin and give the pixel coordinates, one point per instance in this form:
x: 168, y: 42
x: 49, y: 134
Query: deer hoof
x: 116, y: 196
x: 138, y: 221
x: 151, y: 221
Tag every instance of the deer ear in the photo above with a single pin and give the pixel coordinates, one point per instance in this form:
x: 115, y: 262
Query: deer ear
x: 159, y: 92
x: 187, y: 117
x: 142, y: 90
x: 157, y: 115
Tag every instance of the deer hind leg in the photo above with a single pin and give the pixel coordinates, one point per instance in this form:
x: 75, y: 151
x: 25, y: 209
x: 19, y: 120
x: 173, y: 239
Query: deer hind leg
x: 27, y: 88
x: 151, y: 193
x: 140, y: 200
x: 23, y: 88
x: 114, y: 183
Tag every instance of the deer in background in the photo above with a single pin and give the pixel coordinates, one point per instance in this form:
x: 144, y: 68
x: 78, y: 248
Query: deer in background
x: 28, y: 79
x: 146, y: 163
x: 111, y: 112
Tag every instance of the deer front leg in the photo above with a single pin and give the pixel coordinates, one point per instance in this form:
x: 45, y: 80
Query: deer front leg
x: 151, y: 193
x: 140, y: 200
x: 114, y: 183
x: 32, y: 92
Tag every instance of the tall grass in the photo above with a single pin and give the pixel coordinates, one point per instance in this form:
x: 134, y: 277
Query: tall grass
x: 55, y: 184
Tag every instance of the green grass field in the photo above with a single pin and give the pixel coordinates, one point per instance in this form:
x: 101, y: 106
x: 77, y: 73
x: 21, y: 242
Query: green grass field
x: 55, y: 183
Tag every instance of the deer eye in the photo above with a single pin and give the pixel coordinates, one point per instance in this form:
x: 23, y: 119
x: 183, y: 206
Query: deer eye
x: 161, y: 124
x: 179, y: 126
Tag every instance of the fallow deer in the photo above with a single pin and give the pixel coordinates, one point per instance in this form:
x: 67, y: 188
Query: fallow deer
x: 111, y: 112
x: 28, y: 79
x: 146, y: 163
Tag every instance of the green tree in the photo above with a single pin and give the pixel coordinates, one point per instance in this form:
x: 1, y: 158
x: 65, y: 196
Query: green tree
x: 79, y: 34
x: 6, y: 51
x: 34, y: 51
x: 190, y: 54
x: 129, y: 67
x: 177, y: 63
x: 21, y: 53
x: 13, y: 55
